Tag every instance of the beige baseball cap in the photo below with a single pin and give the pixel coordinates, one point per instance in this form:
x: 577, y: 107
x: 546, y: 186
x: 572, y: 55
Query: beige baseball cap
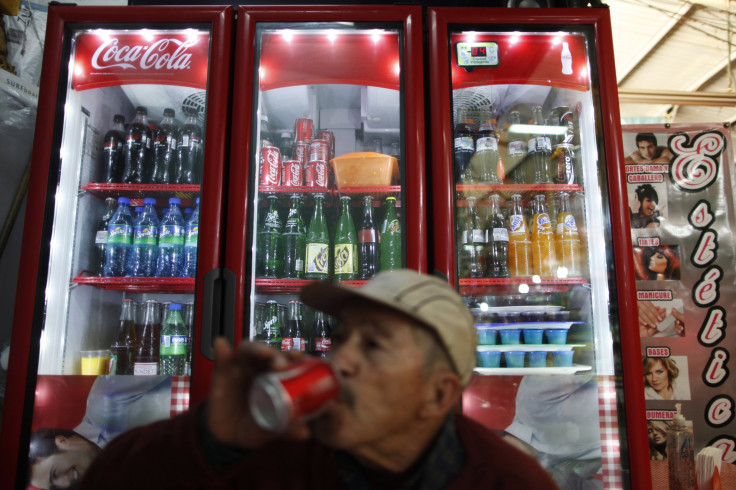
x: 427, y: 299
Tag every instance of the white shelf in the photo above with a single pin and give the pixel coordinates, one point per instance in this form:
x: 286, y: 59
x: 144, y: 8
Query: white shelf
x: 575, y: 368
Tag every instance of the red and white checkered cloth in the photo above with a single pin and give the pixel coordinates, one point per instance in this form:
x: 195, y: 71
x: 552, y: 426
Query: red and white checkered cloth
x: 610, y: 444
x: 179, y: 394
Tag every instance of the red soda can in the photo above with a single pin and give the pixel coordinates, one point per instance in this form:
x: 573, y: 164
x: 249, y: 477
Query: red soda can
x: 301, y: 152
x: 316, y: 174
x: 280, y: 399
x: 329, y: 136
x: 319, y: 150
x: 291, y: 173
x: 303, y: 129
x: 270, y: 166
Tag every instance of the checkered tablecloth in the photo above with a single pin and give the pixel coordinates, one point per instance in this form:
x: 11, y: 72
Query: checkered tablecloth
x: 610, y: 444
x: 179, y: 394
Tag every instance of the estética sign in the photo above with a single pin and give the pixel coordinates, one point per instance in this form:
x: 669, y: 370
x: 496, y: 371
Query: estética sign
x: 104, y: 58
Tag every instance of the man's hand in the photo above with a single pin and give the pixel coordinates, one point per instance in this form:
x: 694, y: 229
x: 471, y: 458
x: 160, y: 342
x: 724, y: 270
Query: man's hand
x: 228, y: 413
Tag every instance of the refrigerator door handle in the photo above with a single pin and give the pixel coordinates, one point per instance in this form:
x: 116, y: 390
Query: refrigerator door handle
x: 218, y: 316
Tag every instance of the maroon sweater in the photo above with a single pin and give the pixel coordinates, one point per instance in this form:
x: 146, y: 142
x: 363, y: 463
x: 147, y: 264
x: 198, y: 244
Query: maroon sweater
x: 168, y: 454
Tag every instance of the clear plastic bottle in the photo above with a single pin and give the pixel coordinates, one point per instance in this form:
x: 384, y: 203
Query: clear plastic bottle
x: 101, y: 237
x: 145, y: 242
x: 680, y: 454
x: 191, y: 238
x: 171, y: 241
x: 119, y: 239
x: 173, y: 352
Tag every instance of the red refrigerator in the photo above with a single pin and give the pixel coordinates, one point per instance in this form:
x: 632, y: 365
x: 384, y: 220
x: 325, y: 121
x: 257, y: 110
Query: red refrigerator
x: 527, y: 170
x: 344, y: 83
x: 103, y: 67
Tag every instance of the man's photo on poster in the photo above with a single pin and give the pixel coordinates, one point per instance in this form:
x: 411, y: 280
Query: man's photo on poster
x: 647, y: 204
x: 647, y: 148
x: 660, y: 263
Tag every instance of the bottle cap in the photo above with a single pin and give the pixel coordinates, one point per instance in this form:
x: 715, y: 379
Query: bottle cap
x: 123, y: 200
x: 174, y: 200
x: 149, y: 200
x: 175, y: 307
x: 139, y: 209
x: 169, y: 112
x: 141, y: 109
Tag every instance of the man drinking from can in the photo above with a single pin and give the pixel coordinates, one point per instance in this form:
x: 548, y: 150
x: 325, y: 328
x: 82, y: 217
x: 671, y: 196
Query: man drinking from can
x: 403, y: 352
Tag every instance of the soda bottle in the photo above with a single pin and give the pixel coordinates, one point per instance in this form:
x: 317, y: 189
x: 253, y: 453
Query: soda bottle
x: 368, y: 243
x: 124, y: 346
x: 269, y: 242
x: 318, y: 244
x: 149, y: 341
x: 562, y: 158
x: 543, y: 238
x: 473, y: 243
x: 294, y: 338
x: 191, y: 238
x: 165, y: 139
x: 345, y: 250
x: 171, y: 241
x: 187, y: 214
x: 173, y: 351
x: 137, y: 149
x: 189, y: 323
x: 272, y: 326
x: 499, y: 241
x: 485, y: 160
x: 322, y: 335
x: 568, y: 241
x: 145, y: 242
x: 540, y: 149
x: 189, y: 152
x: 390, y: 238
x: 286, y: 146
x: 520, y: 246
x: 516, y: 151
x: 112, y: 151
x: 119, y: 239
x: 464, y: 147
x: 101, y: 237
x: 295, y: 241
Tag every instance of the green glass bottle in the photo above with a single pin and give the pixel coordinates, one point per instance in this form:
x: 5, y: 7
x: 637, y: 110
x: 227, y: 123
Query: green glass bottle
x: 345, y: 252
x: 295, y: 241
x: 391, y: 238
x: 269, y: 245
x: 272, y: 326
x: 317, y: 251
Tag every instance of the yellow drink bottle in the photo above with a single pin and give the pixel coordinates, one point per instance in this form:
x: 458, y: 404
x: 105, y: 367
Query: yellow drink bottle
x: 543, y: 240
x: 568, y: 241
x: 520, y: 247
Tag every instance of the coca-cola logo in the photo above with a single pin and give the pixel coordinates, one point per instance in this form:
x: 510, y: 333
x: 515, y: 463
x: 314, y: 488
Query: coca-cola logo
x: 321, y: 180
x: 156, y: 55
x: 296, y: 174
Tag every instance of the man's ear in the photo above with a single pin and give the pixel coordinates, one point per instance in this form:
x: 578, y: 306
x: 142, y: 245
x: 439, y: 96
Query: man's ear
x: 62, y: 442
x: 442, y: 392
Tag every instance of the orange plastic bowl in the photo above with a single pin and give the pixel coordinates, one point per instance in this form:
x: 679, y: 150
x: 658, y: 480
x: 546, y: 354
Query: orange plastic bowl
x: 365, y: 169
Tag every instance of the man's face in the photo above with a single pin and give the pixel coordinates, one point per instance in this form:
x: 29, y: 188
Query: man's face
x: 647, y: 149
x: 66, y: 467
x: 648, y: 207
x: 382, y: 370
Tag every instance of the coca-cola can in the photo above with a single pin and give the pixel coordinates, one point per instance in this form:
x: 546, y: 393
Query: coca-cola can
x: 291, y: 173
x: 319, y: 150
x: 303, y: 129
x: 329, y: 136
x: 270, y: 166
x: 280, y: 399
x: 301, y: 152
x: 316, y: 174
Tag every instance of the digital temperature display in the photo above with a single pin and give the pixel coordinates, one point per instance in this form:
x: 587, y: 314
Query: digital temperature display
x: 477, y: 54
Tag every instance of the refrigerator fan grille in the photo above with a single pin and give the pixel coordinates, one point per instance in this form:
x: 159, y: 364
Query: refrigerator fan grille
x: 195, y: 104
x: 475, y: 101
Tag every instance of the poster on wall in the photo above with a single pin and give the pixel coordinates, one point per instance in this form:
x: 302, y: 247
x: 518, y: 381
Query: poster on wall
x: 680, y: 188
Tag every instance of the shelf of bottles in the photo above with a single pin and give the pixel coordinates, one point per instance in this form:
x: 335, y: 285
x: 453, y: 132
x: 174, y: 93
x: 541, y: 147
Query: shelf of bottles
x: 379, y: 193
x: 137, y: 192
x: 169, y: 285
x: 293, y: 286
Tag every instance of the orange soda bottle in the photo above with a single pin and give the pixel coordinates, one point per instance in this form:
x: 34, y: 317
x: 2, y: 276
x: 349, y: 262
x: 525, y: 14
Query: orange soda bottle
x: 543, y: 240
x: 568, y: 241
x: 520, y: 247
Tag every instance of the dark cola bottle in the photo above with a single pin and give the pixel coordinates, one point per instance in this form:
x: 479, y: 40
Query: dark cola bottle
x: 112, y: 151
x: 368, y: 244
x: 293, y: 337
x: 464, y: 147
x: 137, y: 149
x: 189, y: 149
x: 165, y: 139
x: 322, y: 335
x: 562, y: 159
